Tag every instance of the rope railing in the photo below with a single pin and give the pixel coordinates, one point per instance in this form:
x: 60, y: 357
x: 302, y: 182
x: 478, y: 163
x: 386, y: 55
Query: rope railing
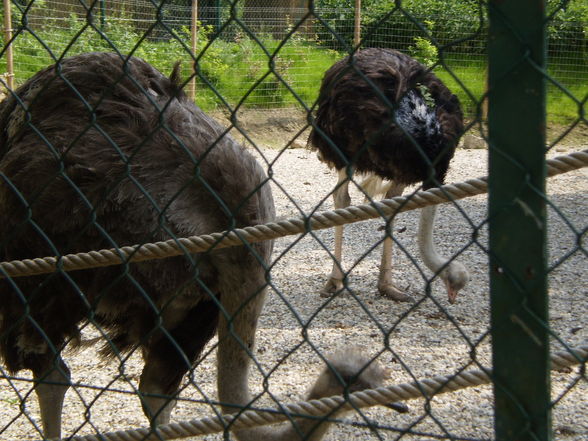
x: 273, y: 230
x: 319, y: 408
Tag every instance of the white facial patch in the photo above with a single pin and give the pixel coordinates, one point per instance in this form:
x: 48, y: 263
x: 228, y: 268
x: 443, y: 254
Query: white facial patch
x: 417, y: 117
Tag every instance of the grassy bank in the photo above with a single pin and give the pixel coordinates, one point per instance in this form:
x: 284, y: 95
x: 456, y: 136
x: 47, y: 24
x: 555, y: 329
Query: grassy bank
x: 238, y: 72
x: 563, y: 99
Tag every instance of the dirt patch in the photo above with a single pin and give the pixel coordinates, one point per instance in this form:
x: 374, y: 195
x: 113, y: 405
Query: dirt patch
x: 277, y: 128
x: 273, y: 128
x: 568, y: 137
x: 422, y: 340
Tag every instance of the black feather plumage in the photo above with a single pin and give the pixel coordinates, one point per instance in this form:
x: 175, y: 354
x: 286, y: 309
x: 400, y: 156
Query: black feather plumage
x: 102, y: 152
x: 360, y: 120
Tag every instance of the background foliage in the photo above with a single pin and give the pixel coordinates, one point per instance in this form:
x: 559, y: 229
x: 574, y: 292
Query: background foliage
x: 448, y: 36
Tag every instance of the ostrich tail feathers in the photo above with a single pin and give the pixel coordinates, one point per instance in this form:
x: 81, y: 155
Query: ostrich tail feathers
x: 176, y: 76
x: 374, y: 187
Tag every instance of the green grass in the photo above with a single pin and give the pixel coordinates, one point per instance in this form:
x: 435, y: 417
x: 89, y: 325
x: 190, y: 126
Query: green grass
x: 243, y: 75
x: 239, y: 70
x: 465, y: 77
x: 562, y: 106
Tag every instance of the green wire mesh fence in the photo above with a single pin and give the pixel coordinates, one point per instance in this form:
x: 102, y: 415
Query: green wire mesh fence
x: 258, y: 71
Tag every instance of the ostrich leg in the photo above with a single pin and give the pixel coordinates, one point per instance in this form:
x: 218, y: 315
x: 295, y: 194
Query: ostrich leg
x: 169, y: 357
x: 341, y: 200
x: 386, y: 286
x: 242, y: 297
x: 159, y: 383
x: 52, y: 381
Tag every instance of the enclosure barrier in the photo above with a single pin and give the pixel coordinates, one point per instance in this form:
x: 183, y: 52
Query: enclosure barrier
x: 324, y: 406
x: 274, y: 230
x: 275, y: 53
x: 314, y: 408
x: 61, y: 24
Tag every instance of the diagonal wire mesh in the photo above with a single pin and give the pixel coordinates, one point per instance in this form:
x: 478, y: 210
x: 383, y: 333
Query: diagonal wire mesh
x: 257, y: 69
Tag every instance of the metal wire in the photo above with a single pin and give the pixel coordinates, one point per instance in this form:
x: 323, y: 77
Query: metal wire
x: 253, y: 56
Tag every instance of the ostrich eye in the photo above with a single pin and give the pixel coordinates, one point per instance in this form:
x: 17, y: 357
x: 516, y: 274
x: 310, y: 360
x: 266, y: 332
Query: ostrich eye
x: 359, y: 384
x: 348, y: 380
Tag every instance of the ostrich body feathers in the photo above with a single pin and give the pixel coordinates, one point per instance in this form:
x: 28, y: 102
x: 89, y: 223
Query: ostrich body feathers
x: 385, y: 117
x: 103, y: 152
x: 369, y: 108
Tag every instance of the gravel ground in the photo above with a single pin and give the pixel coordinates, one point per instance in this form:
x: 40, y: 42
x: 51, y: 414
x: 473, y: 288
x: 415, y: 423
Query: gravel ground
x: 433, y: 338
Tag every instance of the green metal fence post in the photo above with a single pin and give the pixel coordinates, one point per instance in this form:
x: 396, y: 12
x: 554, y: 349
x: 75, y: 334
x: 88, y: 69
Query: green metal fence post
x: 218, y: 21
x: 517, y: 226
x: 102, y: 14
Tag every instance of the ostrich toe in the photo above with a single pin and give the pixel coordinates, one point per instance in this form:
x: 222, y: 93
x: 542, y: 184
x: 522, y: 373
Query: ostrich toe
x: 390, y: 291
x: 331, y: 287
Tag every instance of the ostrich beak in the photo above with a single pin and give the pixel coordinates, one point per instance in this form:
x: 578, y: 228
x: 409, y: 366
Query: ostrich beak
x: 451, y: 292
x: 398, y: 407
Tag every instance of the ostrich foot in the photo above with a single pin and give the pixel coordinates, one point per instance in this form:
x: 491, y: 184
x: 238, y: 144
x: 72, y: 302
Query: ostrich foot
x: 391, y: 292
x: 331, y: 287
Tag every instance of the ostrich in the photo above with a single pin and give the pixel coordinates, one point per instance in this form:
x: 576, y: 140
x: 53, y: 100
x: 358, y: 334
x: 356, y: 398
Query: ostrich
x: 374, y: 108
x: 104, y: 151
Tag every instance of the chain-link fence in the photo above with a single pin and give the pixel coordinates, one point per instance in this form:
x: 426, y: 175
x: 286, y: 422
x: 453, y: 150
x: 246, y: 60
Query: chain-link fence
x: 158, y: 223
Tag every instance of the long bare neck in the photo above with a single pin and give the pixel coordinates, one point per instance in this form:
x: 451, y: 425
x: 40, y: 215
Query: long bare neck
x: 233, y: 388
x: 236, y: 341
x: 429, y: 254
x: 236, y: 391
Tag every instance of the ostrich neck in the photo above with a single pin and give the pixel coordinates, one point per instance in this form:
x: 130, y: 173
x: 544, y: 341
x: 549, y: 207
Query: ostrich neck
x: 236, y: 390
x: 432, y: 259
x: 233, y: 361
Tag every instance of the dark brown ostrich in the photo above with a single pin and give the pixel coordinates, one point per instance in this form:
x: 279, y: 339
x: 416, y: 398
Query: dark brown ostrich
x: 104, y: 151
x: 381, y: 114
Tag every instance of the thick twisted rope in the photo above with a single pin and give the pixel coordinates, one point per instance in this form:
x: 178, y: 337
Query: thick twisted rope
x: 324, y: 406
x: 273, y: 230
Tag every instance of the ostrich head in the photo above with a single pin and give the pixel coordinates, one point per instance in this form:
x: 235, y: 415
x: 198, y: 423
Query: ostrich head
x: 417, y: 115
x: 455, y: 276
x: 352, y: 370
x: 453, y: 273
